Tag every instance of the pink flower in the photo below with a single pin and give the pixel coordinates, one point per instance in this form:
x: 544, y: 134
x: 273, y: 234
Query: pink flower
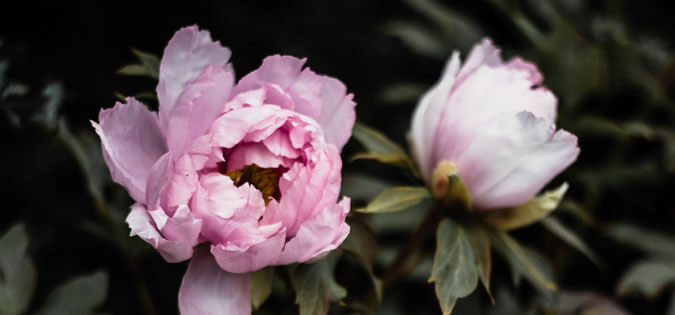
x: 250, y: 170
x: 495, y: 123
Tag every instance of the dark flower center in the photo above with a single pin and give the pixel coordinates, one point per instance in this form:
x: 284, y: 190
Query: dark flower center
x: 266, y: 180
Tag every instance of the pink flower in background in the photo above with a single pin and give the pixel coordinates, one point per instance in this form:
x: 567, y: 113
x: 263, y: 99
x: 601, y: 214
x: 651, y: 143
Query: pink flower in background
x: 495, y: 123
x: 251, y: 169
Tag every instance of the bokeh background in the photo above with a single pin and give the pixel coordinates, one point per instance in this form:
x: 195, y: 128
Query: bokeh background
x: 610, y: 63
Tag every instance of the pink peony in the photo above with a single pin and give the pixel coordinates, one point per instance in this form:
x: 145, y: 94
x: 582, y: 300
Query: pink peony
x: 250, y: 170
x: 494, y: 123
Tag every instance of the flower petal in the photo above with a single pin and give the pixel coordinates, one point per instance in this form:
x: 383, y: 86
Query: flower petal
x: 183, y: 231
x: 427, y: 115
x: 233, y: 259
x: 337, y: 114
x: 320, y: 97
x: 186, y: 55
x: 132, y: 142
x: 197, y: 107
x: 318, y: 235
x: 485, y: 53
x: 304, y: 86
x: 487, y: 93
x: 206, y: 289
x: 512, y: 158
x: 305, y: 191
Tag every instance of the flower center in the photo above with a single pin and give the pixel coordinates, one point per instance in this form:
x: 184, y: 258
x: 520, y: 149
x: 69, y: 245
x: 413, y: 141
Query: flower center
x: 266, y: 180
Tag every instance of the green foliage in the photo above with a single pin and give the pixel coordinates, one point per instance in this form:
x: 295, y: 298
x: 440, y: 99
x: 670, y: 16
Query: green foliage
x: 261, y: 286
x: 647, y: 277
x: 148, y: 65
x: 362, y: 244
x: 78, y: 296
x: 454, y: 273
x: 396, y: 199
x: 523, y: 262
x: 570, y: 237
x: 315, y: 286
x: 532, y: 211
x: 382, y: 149
x: 17, y: 281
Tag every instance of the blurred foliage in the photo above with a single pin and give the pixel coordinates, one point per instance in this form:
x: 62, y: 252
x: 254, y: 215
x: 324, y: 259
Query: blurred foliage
x: 78, y: 296
x: 610, y: 64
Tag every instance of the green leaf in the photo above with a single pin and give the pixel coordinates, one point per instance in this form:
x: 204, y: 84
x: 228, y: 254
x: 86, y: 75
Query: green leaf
x: 362, y: 244
x: 652, y: 242
x: 447, y: 187
x: 418, y: 38
x: 646, y: 277
x: 78, y: 296
x: 396, y: 199
x: 402, y: 93
x: 261, y: 286
x: 454, y: 271
x: 480, y: 243
x: 133, y: 69
x: 527, y: 213
x: 569, y: 237
x: 523, y: 261
x: 149, y: 65
x: 460, y: 31
x: 17, y: 273
x: 315, y: 286
x: 375, y: 141
x: 380, y: 148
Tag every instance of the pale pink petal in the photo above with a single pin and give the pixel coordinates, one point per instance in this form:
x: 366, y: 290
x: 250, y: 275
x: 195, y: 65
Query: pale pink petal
x: 512, y: 158
x: 208, y: 290
x: 185, y: 57
x: 318, y: 235
x: 337, y: 114
x: 485, y: 53
x: 201, y: 102
x: 487, y: 93
x: 176, y: 249
x: 234, y: 259
x: 132, y: 142
x: 427, y: 115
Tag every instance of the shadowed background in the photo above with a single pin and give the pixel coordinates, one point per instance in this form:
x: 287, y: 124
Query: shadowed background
x: 610, y: 63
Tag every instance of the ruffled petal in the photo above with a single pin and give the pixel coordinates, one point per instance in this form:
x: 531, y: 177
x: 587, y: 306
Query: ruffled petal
x: 318, y: 236
x: 186, y: 55
x: 337, y: 114
x: 208, y: 290
x: 304, y: 86
x: 483, y: 54
x: 487, y: 93
x: 512, y: 158
x: 290, y: 86
x: 200, y: 103
x: 235, y: 259
x: 427, y: 115
x: 132, y: 142
x: 182, y: 232
x: 305, y: 191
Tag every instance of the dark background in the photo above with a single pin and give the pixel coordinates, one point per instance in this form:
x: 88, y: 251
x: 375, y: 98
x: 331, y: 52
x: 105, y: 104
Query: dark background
x: 83, y: 44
